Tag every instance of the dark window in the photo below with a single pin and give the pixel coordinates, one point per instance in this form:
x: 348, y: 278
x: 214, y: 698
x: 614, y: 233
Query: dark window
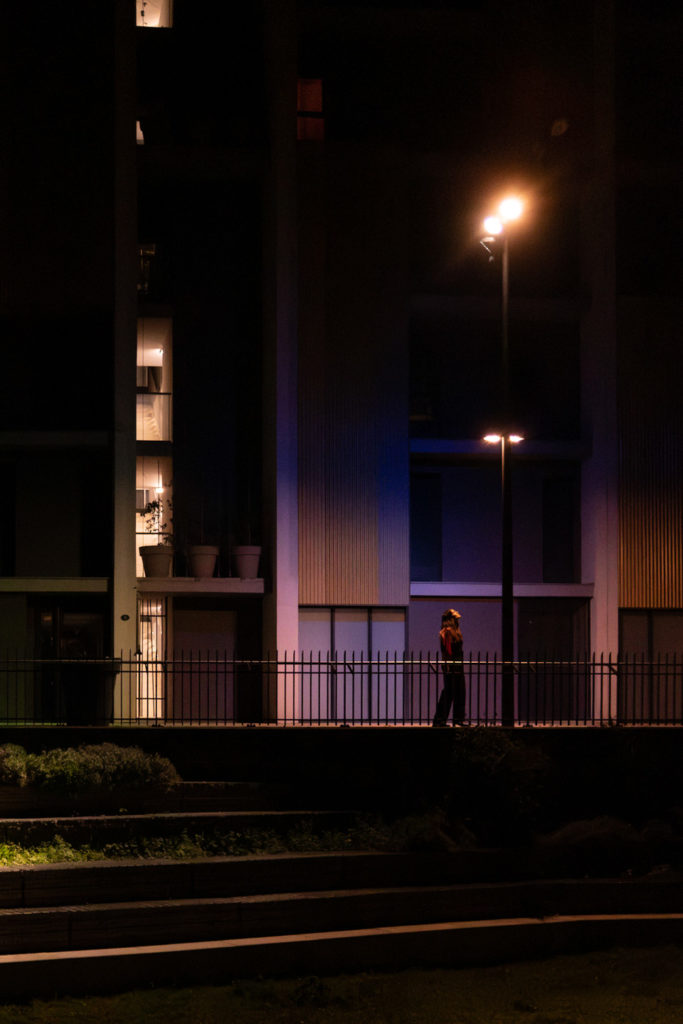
x: 425, y: 527
x: 455, y: 377
x: 309, y: 105
x: 650, y: 633
x: 552, y: 633
x: 559, y: 530
x: 556, y: 627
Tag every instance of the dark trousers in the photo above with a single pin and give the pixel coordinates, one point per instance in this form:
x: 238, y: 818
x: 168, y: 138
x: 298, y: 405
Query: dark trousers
x: 453, y: 693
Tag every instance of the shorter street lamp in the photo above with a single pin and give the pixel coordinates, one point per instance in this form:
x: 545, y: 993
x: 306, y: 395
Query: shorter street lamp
x: 507, y: 593
x: 509, y: 210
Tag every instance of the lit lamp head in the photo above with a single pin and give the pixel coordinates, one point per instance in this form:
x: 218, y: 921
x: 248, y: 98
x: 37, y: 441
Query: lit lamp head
x: 493, y: 226
x: 509, y: 209
x: 497, y: 438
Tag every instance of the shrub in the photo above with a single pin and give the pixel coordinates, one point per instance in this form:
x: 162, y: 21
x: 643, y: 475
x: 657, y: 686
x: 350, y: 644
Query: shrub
x: 99, y: 767
x: 12, y: 765
x: 497, y: 785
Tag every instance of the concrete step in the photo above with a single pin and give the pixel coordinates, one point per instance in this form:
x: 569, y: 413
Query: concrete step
x: 444, y: 944
x: 50, y: 885
x: 22, y: 802
x: 117, y: 881
x: 112, y: 828
x: 129, y: 923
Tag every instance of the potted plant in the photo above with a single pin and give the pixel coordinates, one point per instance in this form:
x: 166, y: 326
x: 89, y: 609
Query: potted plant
x: 246, y: 557
x: 202, y: 557
x: 157, y: 559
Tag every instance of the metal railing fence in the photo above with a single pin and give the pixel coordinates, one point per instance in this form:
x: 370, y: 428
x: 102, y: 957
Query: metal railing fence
x: 343, y: 689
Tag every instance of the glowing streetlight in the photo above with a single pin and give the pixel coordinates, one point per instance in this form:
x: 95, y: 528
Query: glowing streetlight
x: 493, y: 226
x: 497, y: 438
x: 511, y: 208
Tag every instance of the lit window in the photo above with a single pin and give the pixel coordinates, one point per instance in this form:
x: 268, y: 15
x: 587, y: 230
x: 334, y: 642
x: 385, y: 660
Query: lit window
x: 153, y: 503
x: 309, y: 105
x: 154, y: 13
x: 139, y: 135
x: 154, y: 380
x: 152, y: 640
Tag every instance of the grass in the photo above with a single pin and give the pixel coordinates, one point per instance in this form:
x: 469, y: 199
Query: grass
x: 213, y: 843
x: 423, y: 832
x: 620, y: 986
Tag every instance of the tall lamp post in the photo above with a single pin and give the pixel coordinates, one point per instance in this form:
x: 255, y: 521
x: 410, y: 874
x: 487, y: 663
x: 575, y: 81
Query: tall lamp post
x: 510, y: 209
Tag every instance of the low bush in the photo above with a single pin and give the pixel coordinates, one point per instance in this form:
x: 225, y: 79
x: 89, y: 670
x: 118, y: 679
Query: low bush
x: 12, y: 765
x: 102, y: 767
x: 496, y: 786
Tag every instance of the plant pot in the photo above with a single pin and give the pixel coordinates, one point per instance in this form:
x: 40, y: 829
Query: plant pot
x: 246, y: 558
x: 203, y: 558
x: 157, y: 559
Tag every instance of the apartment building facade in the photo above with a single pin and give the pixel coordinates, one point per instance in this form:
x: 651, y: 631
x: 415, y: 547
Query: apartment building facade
x: 246, y: 303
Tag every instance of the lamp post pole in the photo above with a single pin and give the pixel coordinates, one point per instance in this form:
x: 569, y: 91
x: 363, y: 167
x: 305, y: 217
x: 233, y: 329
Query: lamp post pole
x: 507, y: 593
x: 508, y: 210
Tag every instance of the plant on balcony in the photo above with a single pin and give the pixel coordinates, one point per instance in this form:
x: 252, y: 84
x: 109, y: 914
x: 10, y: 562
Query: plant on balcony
x: 202, y: 556
x: 155, y: 513
x: 247, y: 554
x: 157, y: 558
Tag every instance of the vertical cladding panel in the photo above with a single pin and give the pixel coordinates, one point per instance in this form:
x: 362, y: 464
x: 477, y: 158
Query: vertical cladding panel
x: 651, y: 516
x: 338, y: 502
x: 651, y: 467
x: 353, y: 512
x: 337, y: 473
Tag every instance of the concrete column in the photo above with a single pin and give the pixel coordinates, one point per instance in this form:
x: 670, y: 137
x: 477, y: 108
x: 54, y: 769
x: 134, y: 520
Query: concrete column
x: 599, y: 512
x: 280, y: 436
x: 124, y: 594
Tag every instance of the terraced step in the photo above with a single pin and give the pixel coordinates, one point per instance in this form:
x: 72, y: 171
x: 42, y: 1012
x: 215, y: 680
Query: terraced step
x: 445, y: 944
x: 51, y: 885
x: 86, y: 829
x: 21, y: 802
x: 130, y: 923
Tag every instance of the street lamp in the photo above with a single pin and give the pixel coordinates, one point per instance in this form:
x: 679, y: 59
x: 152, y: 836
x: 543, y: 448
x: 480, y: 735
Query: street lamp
x: 506, y: 441
x: 510, y: 209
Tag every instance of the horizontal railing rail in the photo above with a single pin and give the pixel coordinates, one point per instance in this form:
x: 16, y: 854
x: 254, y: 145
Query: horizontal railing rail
x: 341, y: 689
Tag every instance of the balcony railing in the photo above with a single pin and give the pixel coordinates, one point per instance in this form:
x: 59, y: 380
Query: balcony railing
x: 340, y: 690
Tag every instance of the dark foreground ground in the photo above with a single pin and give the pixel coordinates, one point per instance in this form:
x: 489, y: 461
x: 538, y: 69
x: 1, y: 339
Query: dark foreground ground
x: 628, y: 986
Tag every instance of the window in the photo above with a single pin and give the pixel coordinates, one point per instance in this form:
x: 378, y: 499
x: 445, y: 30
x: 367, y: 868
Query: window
x: 154, y: 411
x: 309, y: 105
x: 560, y: 527
x: 425, y: 526
x: 154, y: 13
x: 357, y: 630
x: 153, y: 487
x: 650, y: 633
x: 364, y: 684
x: 151, y: 672
x: 650, y: 680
